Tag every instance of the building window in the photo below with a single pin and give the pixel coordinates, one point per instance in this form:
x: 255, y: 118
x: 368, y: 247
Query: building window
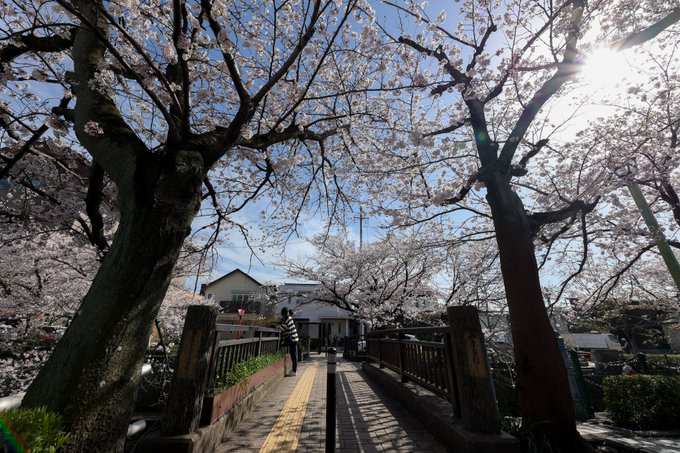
x: 250, y: 306
x: 242, y: 297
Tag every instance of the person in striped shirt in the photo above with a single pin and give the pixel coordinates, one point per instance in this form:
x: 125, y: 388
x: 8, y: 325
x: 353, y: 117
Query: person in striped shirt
x: 289, y: 337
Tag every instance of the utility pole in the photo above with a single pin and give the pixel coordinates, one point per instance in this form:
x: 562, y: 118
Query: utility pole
x: 361, y: 227
x: 652, y: 224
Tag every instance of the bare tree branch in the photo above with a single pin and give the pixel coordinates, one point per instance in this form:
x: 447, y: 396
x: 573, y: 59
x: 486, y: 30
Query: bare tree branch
x: 26, y: 147
x: 566, y: 70
x: 642, y: 36
x: 234, y: 72
x: 539, y: 219
x: 439, y: 54
x: 521, y: 168
x: 33, y: 43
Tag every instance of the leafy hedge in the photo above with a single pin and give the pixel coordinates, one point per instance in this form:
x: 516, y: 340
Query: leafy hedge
x: 643, y: 401
x: 242, y: 371
x: 34, y: 430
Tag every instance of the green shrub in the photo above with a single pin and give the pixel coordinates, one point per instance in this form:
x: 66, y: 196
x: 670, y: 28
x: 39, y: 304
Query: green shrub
x: 643, y: 401
x: 35, y: 430
x: 242, y: 371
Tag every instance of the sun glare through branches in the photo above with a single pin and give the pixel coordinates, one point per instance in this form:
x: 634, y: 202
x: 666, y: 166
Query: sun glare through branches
x: 605, y: 69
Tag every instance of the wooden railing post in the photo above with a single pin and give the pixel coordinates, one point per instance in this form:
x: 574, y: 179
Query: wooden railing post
x: 183, y: 410
x: 450, y: 375
x: 259, y: 342
x: 478, y: 407
x: 402, y: 359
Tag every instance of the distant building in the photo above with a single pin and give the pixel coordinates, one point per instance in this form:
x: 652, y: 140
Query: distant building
x: 316, y: 320
x: 239, y: 291
x: 497, y: 327
x: 649, y: 326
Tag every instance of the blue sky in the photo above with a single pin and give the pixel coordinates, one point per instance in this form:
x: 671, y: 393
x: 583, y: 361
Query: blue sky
x: 268, y: 267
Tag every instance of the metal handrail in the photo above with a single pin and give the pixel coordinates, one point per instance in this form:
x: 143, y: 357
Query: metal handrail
x: 224, y: 343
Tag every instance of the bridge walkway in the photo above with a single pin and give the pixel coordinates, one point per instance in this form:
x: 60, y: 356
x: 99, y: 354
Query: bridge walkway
x: 293, y: 417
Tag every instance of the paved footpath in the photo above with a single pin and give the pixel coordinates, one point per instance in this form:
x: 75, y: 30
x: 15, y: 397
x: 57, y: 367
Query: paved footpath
x: 292, y: 418
x: 627, y: 441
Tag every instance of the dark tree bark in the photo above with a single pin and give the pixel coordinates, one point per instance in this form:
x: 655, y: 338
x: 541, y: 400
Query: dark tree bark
x: 545, y: 400
x: 93, y: 375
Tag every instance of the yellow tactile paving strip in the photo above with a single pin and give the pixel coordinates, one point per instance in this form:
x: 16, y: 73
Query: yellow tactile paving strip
x: 285, y: 434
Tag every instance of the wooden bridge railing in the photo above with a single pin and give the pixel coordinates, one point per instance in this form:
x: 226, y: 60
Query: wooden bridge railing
x: 449, y: 361
x: 253, y: 341
x: 427, y: 363
x: 207, y: 351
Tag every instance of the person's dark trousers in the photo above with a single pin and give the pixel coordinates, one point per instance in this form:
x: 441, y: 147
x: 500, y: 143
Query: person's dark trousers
x: 293, y: 349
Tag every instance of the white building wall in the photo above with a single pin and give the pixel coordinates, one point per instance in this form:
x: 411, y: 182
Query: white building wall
x: 337, y: 320
x: 227, y: 288
x: 237, y: 290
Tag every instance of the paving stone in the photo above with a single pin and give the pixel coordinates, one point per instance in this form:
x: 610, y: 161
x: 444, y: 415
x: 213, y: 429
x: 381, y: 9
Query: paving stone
x: 367, y: 421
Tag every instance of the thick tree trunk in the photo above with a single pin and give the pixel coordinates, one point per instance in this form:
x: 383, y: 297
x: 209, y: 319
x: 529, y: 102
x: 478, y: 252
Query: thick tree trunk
x: 93, y: 375
x: 545, y: 399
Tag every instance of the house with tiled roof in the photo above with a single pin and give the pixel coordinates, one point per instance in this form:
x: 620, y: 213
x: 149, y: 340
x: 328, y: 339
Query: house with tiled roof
x: 239, y: 291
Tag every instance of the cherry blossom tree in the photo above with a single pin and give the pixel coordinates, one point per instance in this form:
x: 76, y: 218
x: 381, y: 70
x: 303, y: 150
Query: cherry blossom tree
x: 50, y: 248
x: 45, y: 275
x: 621, y: 264
x: 33, y: 323
x: 226, y: 102
x: 48, y: 255
x: 390, y: 281
x: 175, y: 103
x: 491, y: 81
x: 48, y: 260
x: 173, y: 311
x: 51, y: 252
